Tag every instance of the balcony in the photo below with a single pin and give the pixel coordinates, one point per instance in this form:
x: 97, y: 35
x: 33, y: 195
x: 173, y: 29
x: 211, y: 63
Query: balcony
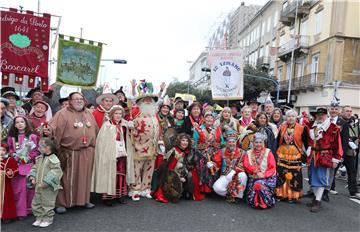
x: 300, y: 46
x: 305, y: 83
x: 263, y: 62
x: 287, y: 15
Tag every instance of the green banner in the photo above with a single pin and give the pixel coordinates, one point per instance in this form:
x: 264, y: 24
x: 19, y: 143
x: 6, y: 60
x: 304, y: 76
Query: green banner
x: 78, y: 63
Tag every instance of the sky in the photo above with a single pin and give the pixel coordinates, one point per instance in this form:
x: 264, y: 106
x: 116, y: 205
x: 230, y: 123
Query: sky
x: 157, y: 37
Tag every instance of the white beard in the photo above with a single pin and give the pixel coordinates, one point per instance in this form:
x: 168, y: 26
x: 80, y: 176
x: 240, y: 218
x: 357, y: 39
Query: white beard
x: 148, y: 109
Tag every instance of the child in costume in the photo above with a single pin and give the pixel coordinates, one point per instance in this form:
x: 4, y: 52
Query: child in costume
x: 45, y: 175
x: 8, y: 170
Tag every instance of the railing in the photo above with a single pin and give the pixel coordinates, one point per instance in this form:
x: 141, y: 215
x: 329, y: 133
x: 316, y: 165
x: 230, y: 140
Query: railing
x: 300, y: 41
x: 303, y: 7
x: 313, y: 79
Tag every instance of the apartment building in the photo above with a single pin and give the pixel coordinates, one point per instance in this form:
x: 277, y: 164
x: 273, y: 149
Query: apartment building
x: 324, y: 38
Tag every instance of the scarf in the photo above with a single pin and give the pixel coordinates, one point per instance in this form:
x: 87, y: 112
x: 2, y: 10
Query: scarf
x: 318, y: 128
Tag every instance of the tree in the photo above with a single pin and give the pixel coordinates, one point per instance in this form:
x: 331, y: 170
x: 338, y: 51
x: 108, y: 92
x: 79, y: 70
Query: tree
x: 254, y: 86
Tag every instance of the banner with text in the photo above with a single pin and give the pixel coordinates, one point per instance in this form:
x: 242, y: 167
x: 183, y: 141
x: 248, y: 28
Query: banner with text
x: 78, y: 62
x: 227, y: 79
x: 24, y: 46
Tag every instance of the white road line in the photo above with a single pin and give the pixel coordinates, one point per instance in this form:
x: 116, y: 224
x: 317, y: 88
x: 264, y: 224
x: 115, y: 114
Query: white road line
x: 355, y: 200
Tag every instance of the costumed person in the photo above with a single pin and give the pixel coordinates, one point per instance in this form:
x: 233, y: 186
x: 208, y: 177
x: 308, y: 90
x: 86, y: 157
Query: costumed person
x: 194, y: 119
x: 227, y: 119
x: 277, y: 118
x: 229, y: 162
x: 207, y: 141
x: 166, y: 134
x: 45, y: 176
x: 145, y: 142
x: 38, y: 117
x: 10, y: 94
x: 110, y: 170
x: 36, y: 95
x: 262, y: 125
x: 22, y: 143
x: 6, y: 120
x: 105, y: 101
x: 324, y: 153
x: 245, y: 119
x: 235, y: 111
x: 268, y: 106
x: 254, y: 105
x: 122, y: 97
x: 74, y: 129
x: 179, y: 104
x: 8, y: 170
x: 291, y: 143
x: 175, y: 172
x: 260, y: 165
x: 179, y: 120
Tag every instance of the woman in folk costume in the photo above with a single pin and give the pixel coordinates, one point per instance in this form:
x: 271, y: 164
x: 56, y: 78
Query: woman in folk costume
x: 8, y: 170
x: 229, y: 161
x: 227, y: 119
x: 245, y: 119
x: 277, y: 118
x: 259, y: 164
x: 194, y: 120
x: 261, y: 125
x: 110, y: 167
x: 324, y: 153
x: 207, y: 141
x: 174, y: 175
x: 105, y: 101
x: 291, y: 140
x: 23, y: 145
x: 13, y: 110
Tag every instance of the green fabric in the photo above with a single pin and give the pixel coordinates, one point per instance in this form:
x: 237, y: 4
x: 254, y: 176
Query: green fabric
x: 78, y: 63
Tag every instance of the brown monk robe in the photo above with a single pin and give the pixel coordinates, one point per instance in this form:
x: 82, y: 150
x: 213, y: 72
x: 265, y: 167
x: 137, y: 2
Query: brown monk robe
x: 75, y: 133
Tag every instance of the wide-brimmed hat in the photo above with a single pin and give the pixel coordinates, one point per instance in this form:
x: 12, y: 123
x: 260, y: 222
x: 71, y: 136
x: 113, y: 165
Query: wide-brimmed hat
x: 107, y: 94
x: 61, y: 100
x: 42, y: 102
x: 32, y: 91
x: 145, y: 89
x: 253, y: 100
x: 321, y: 110
x: 9, y: 91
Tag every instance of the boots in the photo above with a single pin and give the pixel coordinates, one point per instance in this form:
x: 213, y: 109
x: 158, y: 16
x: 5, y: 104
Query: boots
x: 316, y: 207
x: 311, y: 203
x: 325, y: 196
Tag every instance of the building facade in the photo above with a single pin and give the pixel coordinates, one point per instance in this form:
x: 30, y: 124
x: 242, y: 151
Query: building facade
x: 323, y: 37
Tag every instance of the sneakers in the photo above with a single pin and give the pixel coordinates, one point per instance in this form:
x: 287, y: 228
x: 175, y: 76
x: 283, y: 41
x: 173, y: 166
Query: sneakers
x: 333, y: 192
x: 135, y: 197
x: 89, y: 205
x: 355, y: 196
x: 146, y: 193
x: 37, y: 222
x: 44, y: 224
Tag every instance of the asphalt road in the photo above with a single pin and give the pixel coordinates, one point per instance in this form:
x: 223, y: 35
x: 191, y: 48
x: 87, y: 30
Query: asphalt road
x: 212, y: 214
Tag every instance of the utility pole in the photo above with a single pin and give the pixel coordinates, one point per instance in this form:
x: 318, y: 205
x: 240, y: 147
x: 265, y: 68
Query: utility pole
x: 292, y: 52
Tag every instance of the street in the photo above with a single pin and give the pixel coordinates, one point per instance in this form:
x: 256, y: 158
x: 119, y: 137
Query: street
x: 212, y: 214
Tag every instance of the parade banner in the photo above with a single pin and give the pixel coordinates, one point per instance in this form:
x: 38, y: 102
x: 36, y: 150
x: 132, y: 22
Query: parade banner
x: 78, y: 62
x: 226, y: 74
x: 24, y: 47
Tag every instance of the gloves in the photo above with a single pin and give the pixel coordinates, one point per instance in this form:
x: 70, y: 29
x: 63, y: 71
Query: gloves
x: 210, y: 164
x: 130, y: 125
x: 230, y: 175
x: 308, y: 151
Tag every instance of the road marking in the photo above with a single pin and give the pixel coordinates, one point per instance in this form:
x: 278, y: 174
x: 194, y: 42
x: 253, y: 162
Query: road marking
x: 355, y: 200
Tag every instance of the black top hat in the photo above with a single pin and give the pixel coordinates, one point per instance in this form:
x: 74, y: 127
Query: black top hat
x: 9, y: 91
x: 61, y: 100
x: 253, y: 100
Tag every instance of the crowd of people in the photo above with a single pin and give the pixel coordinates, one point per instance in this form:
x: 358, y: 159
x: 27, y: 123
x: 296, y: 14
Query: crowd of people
x: 151, y: 146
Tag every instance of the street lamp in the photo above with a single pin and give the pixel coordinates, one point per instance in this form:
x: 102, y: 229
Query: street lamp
x: 116, y: 61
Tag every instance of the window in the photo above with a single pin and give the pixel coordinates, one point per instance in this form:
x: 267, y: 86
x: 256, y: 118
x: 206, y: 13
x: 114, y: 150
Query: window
x: 303, y: 27
x: 279, y: 73
x: 314, y: 67
x: 268, y: 24
x: 288, y: 71
x: 263, y: 25
x: 262, y: 51
x: 267, y: 49
x: 318, y: 21
x: 276, y: 15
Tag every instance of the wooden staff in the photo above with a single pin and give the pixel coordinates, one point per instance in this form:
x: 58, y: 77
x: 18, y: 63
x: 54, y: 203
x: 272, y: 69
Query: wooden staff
x: 129, y: 103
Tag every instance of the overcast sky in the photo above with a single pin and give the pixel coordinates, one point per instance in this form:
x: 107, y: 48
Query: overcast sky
x: 156, y: 37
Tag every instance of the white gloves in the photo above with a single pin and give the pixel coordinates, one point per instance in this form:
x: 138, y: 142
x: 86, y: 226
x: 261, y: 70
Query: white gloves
x: 210, y: 164
x: 130, y: 125
x: 308, y: 151
x: 230, y: 175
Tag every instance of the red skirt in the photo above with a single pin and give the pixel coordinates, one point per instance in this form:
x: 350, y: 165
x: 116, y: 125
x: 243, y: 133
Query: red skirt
x: 121, y: 184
